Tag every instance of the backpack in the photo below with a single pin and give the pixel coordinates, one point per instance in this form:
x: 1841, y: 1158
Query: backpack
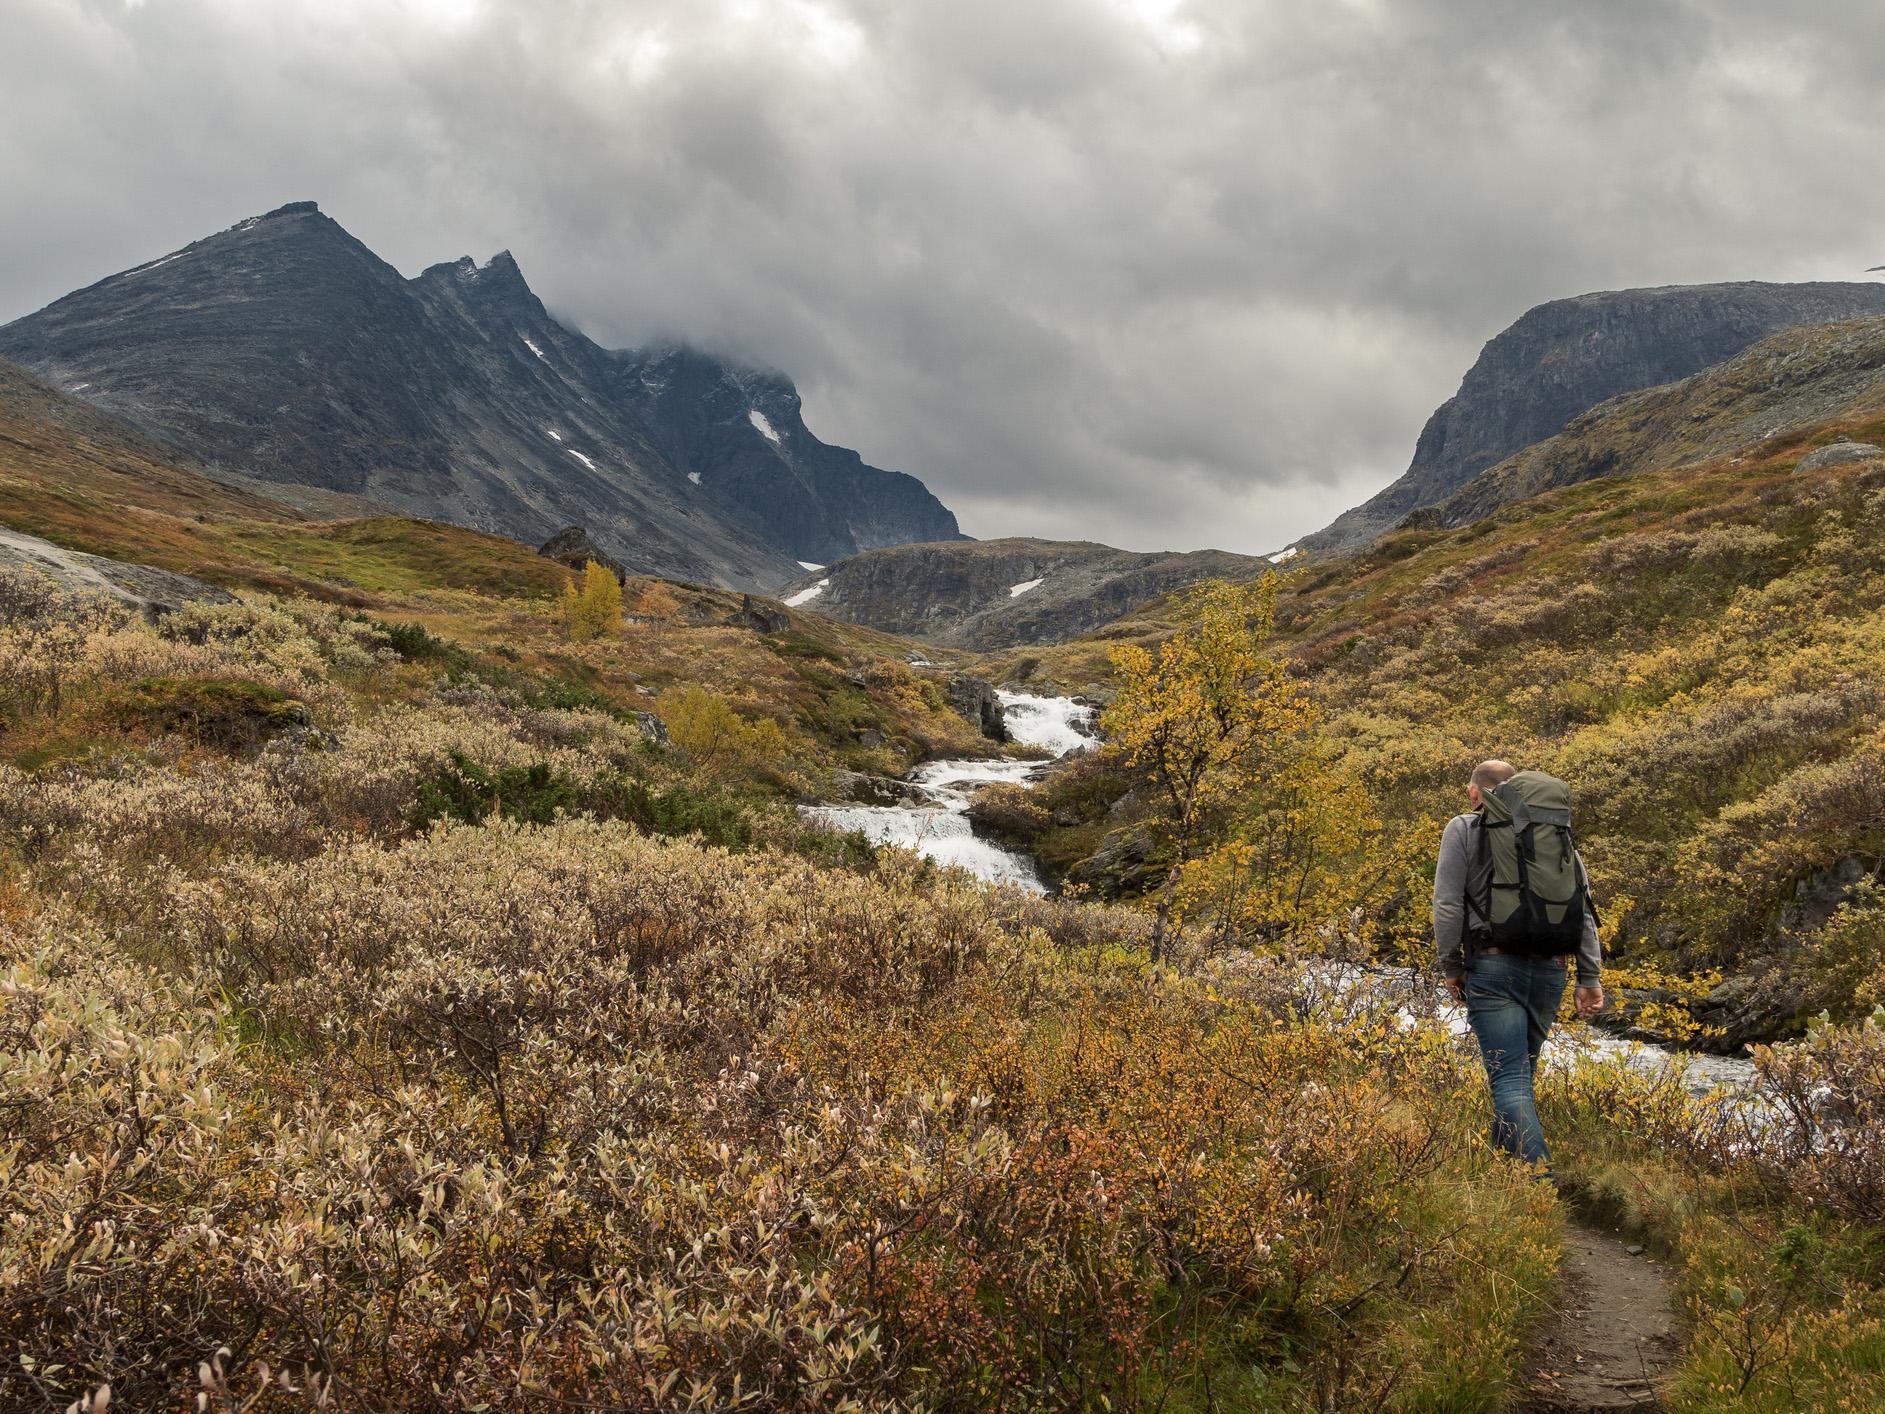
x: 1538, y: 894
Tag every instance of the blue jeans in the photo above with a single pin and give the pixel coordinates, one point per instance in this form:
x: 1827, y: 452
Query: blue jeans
x: 1510, y: 1005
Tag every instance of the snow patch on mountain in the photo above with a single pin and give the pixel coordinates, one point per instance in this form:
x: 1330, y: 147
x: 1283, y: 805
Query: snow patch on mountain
x: 766, y: 429
x: 154, y: 264
x: 694, y: 477
x: 535, y: 350
x: 581, y: 458
x: 1015, y: 591
x: 808, y: 565
x: 805, y: 596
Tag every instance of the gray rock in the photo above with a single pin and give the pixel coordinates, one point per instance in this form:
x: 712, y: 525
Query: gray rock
x: 652, y: 727
x: 975, y: 699
x: 143, y: 587
x: 1121, y: 863
x: 963, y: 594
x: 572, y: 546
x: 1839, y: 454
x: 1818, y: 896
x: 862, y: 789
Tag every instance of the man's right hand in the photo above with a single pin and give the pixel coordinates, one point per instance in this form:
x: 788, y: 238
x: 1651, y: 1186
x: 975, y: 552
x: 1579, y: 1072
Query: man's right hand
x: 1457, y: 986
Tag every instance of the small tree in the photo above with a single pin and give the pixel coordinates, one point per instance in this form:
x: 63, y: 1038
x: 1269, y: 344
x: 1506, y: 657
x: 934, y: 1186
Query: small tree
x: 1195, y: 716
x: 593, y: 610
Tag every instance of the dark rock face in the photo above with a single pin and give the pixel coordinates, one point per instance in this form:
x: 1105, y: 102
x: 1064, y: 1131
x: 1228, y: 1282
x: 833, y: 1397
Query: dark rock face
x: 1563, y: 358
x: 738, y: 433
x: 978, y: 704
x: 761, y: 616
x: 572, y: 546
x: 284, y: 349
x: 990, y: 594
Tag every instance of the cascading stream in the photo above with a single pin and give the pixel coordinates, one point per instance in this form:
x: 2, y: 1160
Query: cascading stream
x: 939, y: 829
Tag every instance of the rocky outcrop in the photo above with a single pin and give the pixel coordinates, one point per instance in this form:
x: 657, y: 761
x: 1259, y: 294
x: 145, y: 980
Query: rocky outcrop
x: 761, y: 615
x: 285, y: 350
x: 858, y: 788
x: 1564, y: 358
x: 977, y: 702
x: 1839, y: 454
x: 989, y: 594
x: 572, y: 546
x: 142, y: 587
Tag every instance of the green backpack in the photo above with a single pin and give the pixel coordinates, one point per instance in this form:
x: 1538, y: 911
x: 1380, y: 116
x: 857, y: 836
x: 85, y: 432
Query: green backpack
x: 1538, y: 895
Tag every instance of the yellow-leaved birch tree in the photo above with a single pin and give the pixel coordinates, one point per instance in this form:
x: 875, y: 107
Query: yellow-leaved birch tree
x: 1192, y: 717
x: 595, y: 609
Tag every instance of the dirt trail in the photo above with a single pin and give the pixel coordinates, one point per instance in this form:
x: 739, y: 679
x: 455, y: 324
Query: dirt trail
x: 1610, y: 1341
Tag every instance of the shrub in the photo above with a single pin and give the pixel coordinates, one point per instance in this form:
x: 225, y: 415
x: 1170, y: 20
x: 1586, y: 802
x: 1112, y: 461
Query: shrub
x: 223, y: 712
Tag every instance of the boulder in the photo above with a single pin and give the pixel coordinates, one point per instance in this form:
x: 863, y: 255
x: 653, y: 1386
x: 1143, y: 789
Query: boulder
x: 1122, y: 864
x: 975, y: 699
x: 1839, y: 454
x: 861, y: 789
x: 652, y: 727
x: 572, y: 546
x: 760, y: 615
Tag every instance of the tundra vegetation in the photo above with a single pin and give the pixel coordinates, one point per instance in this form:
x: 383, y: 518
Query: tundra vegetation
x: 405, y: 1007
x: 378, y: 1031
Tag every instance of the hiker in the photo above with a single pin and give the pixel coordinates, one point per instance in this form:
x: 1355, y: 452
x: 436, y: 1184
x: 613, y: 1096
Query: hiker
x: 1510, y: 904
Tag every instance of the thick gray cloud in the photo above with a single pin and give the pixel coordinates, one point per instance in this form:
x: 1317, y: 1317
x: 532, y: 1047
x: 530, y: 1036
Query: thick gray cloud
x: 1165, y: 273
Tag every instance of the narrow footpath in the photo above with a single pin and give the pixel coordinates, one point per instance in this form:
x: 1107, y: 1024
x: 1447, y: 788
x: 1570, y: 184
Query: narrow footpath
x: 1610, y: 1340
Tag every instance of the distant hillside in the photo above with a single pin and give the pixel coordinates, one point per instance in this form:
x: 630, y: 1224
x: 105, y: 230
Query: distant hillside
x: 1799, y: 378
x: 283, y: 349
x: 996, y: 593
x: 1563, y: 358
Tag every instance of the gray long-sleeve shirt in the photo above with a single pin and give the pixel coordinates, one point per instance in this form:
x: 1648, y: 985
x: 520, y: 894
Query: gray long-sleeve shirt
x: 1458, y: 871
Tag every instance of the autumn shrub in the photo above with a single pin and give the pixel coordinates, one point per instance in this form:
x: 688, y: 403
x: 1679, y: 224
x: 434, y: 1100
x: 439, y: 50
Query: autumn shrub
x: 726, y: 746
x: 565, y: 1113
x: 44, y: 630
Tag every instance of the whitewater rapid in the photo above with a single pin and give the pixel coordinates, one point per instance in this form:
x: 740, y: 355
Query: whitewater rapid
x: 939, y: 828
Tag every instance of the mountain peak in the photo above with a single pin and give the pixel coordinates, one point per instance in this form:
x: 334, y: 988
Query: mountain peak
x: 293, y: 208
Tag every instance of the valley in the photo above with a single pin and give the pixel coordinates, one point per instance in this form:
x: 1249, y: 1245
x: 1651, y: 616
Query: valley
x: 759, y: 992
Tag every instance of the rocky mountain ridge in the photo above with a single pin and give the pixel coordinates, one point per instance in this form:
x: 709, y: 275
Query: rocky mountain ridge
x: 1563, y: 358
x: 1798, y: 379
x: 990, y: 594
x: 284, y: 350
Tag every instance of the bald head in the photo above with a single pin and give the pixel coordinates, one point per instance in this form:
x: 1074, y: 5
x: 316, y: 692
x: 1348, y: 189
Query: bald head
x: 1490, y: 775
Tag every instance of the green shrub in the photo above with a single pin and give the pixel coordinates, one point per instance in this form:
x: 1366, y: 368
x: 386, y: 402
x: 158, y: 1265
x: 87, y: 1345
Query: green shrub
x: 463, y: 790
x: 231, y: 713
x: 411, y: 641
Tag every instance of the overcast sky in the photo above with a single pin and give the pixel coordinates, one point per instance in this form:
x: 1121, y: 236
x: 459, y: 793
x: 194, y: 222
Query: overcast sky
x: 1163, y: 273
